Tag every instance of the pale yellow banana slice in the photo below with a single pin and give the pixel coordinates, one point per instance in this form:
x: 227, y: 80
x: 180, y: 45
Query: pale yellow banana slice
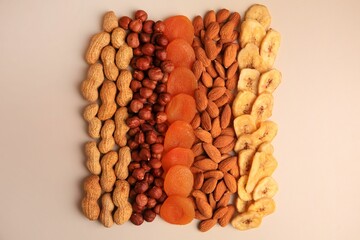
x: 262, y: 107
x: 266, y: 132
x: 249, y: 80
x: 242, y: 103
x: 246, y: 220
x: 245, y: 196
x: 240, y: 205
x: 259, y: 13
x: 245, y: 159
x: 263, y: 206
x: 269, y: 47
x: 251, y: 31
x: 266, y: 188
x: 249, y: 57
x: 263, y: 165
x: 246, y: 141
x: 266, y: 147
x: 244, y: 124
x: 269, y: 81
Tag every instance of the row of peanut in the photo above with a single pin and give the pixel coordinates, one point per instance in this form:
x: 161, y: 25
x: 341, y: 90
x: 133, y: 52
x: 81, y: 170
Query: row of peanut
x: 215, y: 169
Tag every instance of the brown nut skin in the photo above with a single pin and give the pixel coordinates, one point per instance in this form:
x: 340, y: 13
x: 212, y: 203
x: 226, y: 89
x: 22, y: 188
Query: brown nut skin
x: 141, y: 199
x: 149, y: 215
x: 157, y: 148
x: 135, y: 85
x: 159, y: 27
x: 137, y: 208
x: 155, y: 74
x: 135, y: 25
x: 151, y: 203
x: 137, y: 219
x: 148, y: 49
x: 159, y: 182
x: 142, y: 63
x: 162, y: 40
x: 161, y: 54
x: 151, y: 137
x: 141, y: 187
x: 138, y: 173
x: 148, y: 26
x: 139, y: 75
x: 144, y: 154
x: 124, y: 22
x: 136, y: 105
x: 157, y: 172
x: 145, y: 92
x: 155, y: 163
x: 164, y: 98
x: 167, y: 66
x: 144, y: 37
x: 155, y: 192
x: 141, y: 15
x: 145, y: 114
x: 149, y: 178
x: 132, y: 40
x: 161, y: 88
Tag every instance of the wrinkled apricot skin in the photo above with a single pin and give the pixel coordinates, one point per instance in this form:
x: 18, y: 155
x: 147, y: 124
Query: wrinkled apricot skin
x: 181, y: 80
x: 179, y: 181
x: 181, y: 107
x: 179, y: 134
x: 179, y: 26
x: 180, y: 53
x: 177, y: 156
x: 177, y: 210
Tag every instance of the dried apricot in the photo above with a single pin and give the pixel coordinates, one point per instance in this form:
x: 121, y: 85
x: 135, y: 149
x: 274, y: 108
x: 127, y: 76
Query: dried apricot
x: 181, y: 107
x: 177, y: 210
x: 179, y: 26
x: 177, y: 156
x: 179, y: 134
x: 180, y: 53
x: 181, y: 80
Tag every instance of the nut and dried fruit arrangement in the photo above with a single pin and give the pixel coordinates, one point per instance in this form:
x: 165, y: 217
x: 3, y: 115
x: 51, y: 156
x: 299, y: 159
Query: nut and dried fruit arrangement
x: 179, y: 114
x: 215, y: 169
x: 251, y: 108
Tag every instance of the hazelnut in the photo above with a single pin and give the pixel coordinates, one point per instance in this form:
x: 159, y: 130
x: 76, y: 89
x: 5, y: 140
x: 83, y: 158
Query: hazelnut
x: 155, y: 192
x: 159, y: 26
x: 141, y: 199
x: 132, y: 40
x: 162, y: 127
x: 136, y: 208
x: 146, y: 127
x: 135, y: 156
x: 167, y: 66
x: 146, y: 166
x: 148, y: 49
x: 136, y: 218
x: 144, y: 37
x: 136, y: 105
x: 144, y: 154
x: 141, y: 15
x: 158, y: 108
x: 139, y: 75
x: 165, y: 78
x: 149, y: 178
x: 159, y: 182
x: 151, y: 137
x: 151, y: 203
x: 163, y: 197
x: 162, y: 40
x: 133, y: 122
x: 157, y: 172
x: 157, y: 148
x: 145, y: 92
x: 139, y: 138
x: 160, y: 139
x: 138, y: 173
x: 149, y: 215
x: 164, y: 98
x: 155, y: 163
x: 161, y: 88
x: 161, y: 117
x: 124, y: 22
x: 156, y: 155
x: 143, y: 63
x: 145, y: 114
x: 133, y: 131
x: 141, y: 186
x: 148, y: 26
x: 153, y: 98
x: 156, y: 209
x: 135, y: 25
x: 131, y: 180
x: 135, y: 85
x: 132, y: 193
x: 155, y: 74
x: 132, y: 144
x: 133, y: 165
x: 160, y: 54
x: 137, y: 51
x: 138, y: 97
x: 149, y: 83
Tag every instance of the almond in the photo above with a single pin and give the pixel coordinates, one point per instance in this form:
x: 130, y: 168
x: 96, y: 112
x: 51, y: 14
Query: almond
x: 207, y: 80
x: 228, y: 132
x: 230, y: 182
x: 225, y: 220
x: 224, y: 200
x: 220, y: 69
x: 228, y: 148
x: 195, y: 123
x: 212, y: 201
x: 200, y: 157
x: 206, y: 225
x: 198, y: 180
x: 200, y: 100
x: 209, y: 185
x: 197, y: 69
x: 230, y: 72
x: 203, y: 135
x: 199, y: 216
x: 202, y: 87
x: 199, y: 194
x: 212, y: 152
x: 209, y: 17
x: 212, y: 48
x: 200, y: 55
x: 197, y: 149
x: 213, y: 174
x: 222, y: 141
x: 211, y: 70
x: 227, y: 30
x: 226, y: 164
x: 195, y: 170
x: 219, y: 190
x: 235, y: 18
x: 230, y: 95
x: 230, y: 54
x: 216, y: 93
x: 231, y: 83
x: 224, y: 99
x: 206, y: 164
x: 205, y: 121
x: 212, y: 30
x: 216, y: 129
x: 235, y: 171
x: 204, y: 207
x: 198, y: 25
x: 225, y: 116
x: 222, y: 15
x: 212, y: 109
x: 220, y: 212
x: 197, y: 42
x: 219, y: 82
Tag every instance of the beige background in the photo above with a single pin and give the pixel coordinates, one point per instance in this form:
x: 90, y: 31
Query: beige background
x: 42, y: 132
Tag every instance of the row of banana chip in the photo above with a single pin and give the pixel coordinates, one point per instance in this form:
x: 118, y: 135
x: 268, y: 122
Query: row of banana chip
x: 252, y: 107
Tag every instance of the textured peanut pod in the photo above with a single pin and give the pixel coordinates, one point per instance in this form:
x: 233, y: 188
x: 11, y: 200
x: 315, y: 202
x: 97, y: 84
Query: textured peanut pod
x: 123, y: 84
x: 120, y: 199
x: 107, y: 142
x: 107, y: 206
x: 108, y: 176
x: 107, y: 96
x: 93, y: 158
x: 90, y: 111
x: 94, y: 127
x: 97, y: 43
x: 108, y: 58
x: 121, y: 128
x: 118, y: 36
x: 123, y: 56
x: 89, y: 204
x: 121, y: 167
x: 94, y: 79
x: 110, y: 21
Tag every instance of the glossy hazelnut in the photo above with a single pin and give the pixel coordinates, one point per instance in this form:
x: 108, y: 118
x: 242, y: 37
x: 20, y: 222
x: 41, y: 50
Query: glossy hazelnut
x: 138, y: 174
x: 149, y: 83
x: 136, y: 105
x: 139, y: 137
x: 157, y: 172
x: 144, y: 37
x: 136, y: 218
x: 141, y: 199
x: 144, y: 154
x: 151, y: 137
x: 167, y: 66
x: 145, y: 114
x: 155, y: 192
x: 145, y: 92
x: 151, y: 203
x: 141, y: 186
x: 124, y: 22
x: 135, y: 85
x: 135, y: 25
x: 162, y: 40
x: 157, y: 208
x: 132, y: 40
x: 159, y: 182
x: 159, y: 26
x: 139, y: 75
x: 149, y: 215
x: 155, y: 163
x: 155, y: 74
x: 148, y: 26
x: 141, y: 15
x: 148, y: 49
x: 143, y: 63
x: 160, y: 54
